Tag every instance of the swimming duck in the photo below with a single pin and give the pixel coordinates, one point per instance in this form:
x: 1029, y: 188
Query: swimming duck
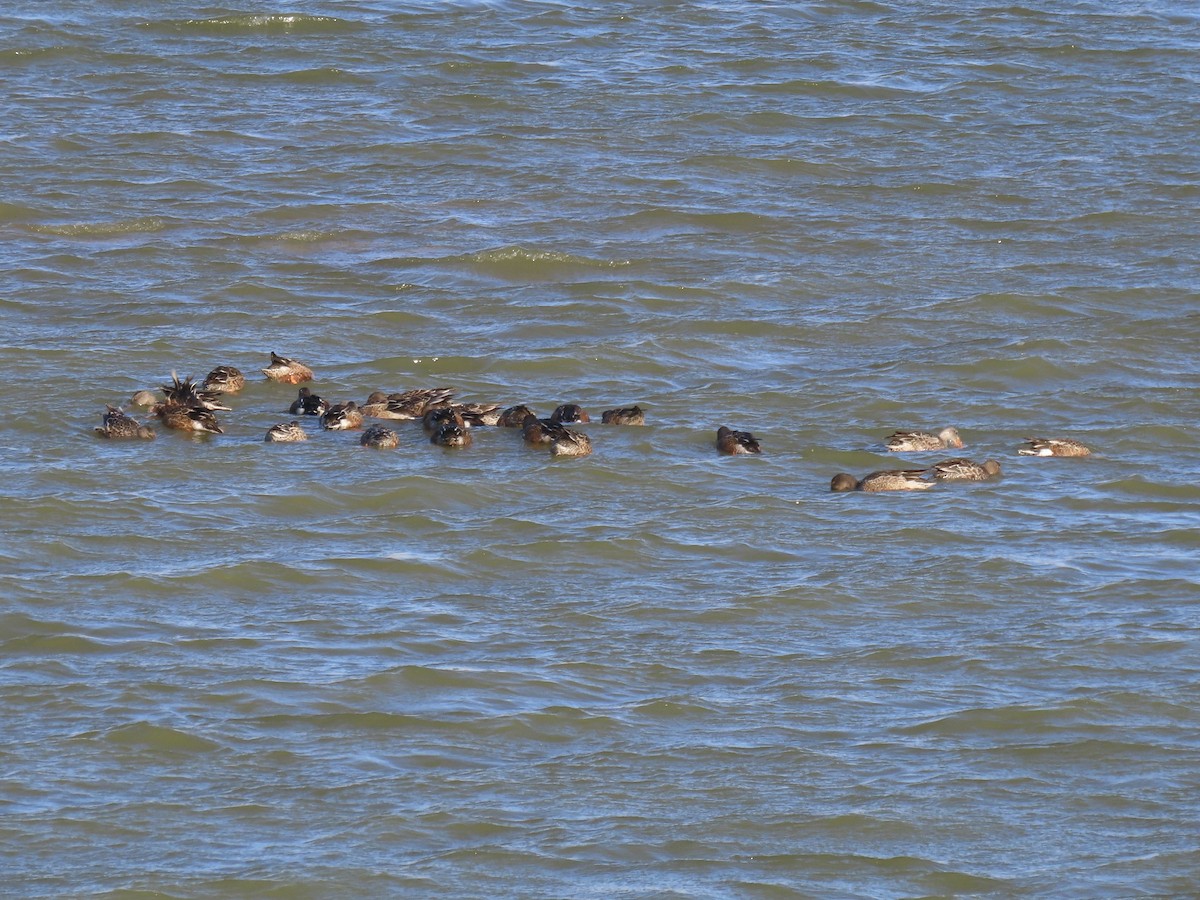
x: 445, y: 414
x: 185, y: 392
x: 405, y: 405
x: 909, y: 441
x: 734, y: 442
x: 118, y: 426
x: 570, y: 442
x: 893, y: 480
x: 342, y: 417
x: 144, y: 399
x: 285, y: 433
x: 964, y: 470
x: 187, y: 418
x: 288, y: 371
x: 514, y: 416
x: 476, y: 414
x: 570, y: 413
x: 1053, y: 447
x: 540, y: 431
x: 308, y: 404
x: 379, y: 437
x: 224, y: 380
x: 628, y: 415
x: 450, y: 434
x: 376, y: 406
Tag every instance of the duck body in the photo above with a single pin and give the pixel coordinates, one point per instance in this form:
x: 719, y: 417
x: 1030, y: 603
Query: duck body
x: 1053, y: 447
x: 287, y: 371
x: 570, y: 413
x: 537, y: 431
x: 379, y: 437
x: 450, y: 434
x: 477, y: 414
x: 406, y: 404
x: 342, y: 417
x: 735, y: 443
x: 514, y: 416
x: 117, y: 426
x: 224, y: 380
x: 915, y: 441
x: 895, y: 480
x: 181, y: 417
x: 308, y: 404
x: 570, y: 442
x: 627, y: 415
x: 877, y: 482
x: 376, y: 406
x: 437, y: 416
x: 286, y: 433
x: 961, y: 469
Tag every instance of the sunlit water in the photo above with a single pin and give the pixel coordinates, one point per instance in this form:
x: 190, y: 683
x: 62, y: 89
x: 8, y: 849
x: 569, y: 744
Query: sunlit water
x: 234, y: 669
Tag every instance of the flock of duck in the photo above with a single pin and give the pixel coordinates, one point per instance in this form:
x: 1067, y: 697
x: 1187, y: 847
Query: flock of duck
x: 956, y: 469
x: 188, y: 406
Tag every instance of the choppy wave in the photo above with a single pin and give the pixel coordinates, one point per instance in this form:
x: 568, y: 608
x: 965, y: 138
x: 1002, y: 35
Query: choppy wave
x: 148, y: 225
x: 251, y: 23
x: 524, y: 263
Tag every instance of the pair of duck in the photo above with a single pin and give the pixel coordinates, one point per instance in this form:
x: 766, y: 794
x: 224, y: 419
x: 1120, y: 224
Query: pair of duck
x: 910, y: 441
x: 959, y: 469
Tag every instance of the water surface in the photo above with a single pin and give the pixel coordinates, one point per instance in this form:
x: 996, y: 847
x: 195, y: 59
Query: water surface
x: 237, y: 669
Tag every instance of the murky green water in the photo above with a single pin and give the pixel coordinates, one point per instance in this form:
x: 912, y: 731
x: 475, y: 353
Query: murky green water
x: 234, y: 669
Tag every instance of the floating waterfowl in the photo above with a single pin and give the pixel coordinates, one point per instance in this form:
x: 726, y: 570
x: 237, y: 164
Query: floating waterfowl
x: 961, y: 469
x: 285, y: 433
x: 733, y: 443
x: 570, y: 442
x: 477, y: 414
x: 437, y: 416
x: 405, y: 405
x: 287, y: 371
x: 224, y: 380
x: 376, y: 406
x: 1053, y: 447
x: 876, y: 482
x: 379, y: 437
x: 514, y: 416
x: 144, y: 399
x: 450, y: 434
x: 627, y: 415
x: 540, y: 431
x: 342, y: 417
x: 118, y: 426
x: 570, y: 413
x: 910, y: 441
x: 187, y: 418
x: 308, y: 404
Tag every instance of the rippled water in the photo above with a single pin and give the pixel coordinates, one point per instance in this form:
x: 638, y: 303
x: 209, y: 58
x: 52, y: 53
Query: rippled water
x: 237, y: 669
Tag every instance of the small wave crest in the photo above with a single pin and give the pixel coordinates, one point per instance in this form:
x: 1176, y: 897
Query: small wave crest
x: 522, y: 263
x: 289, y: 23
x: 101, y: 229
